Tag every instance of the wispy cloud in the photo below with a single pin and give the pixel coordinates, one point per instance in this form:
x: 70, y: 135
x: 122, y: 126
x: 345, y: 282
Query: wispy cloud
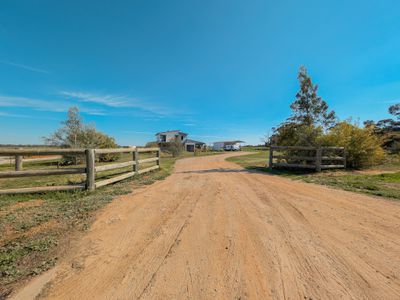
x: 120, y: 101
x: 25, y: 67
x: 44, y: 105
x: 5, y: 114
x: 108, y: 100
x: 390, y: 101
x: 189, y: 124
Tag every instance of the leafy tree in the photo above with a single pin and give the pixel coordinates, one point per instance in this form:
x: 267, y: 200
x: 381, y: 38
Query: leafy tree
x: 68, y: 134
x: 310, y: 117
x: 75, y: 134
x: 291, y: 134
x: 309, y: 109
x: 389, y: 129
x: 395, y: 111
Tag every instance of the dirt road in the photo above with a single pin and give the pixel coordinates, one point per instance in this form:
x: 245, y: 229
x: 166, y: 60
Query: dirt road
x: 215, y: 231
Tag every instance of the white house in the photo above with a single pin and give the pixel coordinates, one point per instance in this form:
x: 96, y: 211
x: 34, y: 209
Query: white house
x: 169, y: 136
x: 227, y: 145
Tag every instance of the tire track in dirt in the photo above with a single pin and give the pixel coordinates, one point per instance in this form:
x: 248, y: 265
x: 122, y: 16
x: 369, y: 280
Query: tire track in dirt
x: 213, y: 230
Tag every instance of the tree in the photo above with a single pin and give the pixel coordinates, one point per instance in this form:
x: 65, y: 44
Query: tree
x: 68, y: 134
x: 309, y: 109
x: 389, y: 129
x: 310, y: 117
x: 75, y: 134
x: 395, y: 111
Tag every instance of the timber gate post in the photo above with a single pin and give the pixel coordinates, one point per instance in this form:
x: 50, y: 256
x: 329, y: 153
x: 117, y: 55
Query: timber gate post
x: 136, y: 155
x: 271, y: 157
x: 90, y: 169
x: 318, y: 159
x: 18, y: 162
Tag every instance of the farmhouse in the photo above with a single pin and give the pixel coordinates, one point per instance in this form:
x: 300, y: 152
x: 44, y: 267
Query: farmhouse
x: 163, y: 138
x: 227, y: 145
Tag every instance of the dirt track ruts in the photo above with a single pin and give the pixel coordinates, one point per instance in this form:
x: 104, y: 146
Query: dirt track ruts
x: 212, y: 230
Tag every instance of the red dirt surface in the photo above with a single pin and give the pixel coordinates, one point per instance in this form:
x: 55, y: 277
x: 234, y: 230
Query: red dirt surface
x: 213, y: 230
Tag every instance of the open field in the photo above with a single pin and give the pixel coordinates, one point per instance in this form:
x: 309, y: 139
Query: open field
x: 382, y: 180
x: 213, y: 230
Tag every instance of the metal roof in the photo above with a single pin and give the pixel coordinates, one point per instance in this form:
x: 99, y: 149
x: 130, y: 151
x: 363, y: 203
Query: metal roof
x: 193, y: 141
x: 172, y: 131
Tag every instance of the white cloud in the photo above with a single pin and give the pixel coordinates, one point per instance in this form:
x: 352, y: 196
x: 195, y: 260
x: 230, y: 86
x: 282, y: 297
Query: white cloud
x: 390, y: 101
x: 25, y: 67
x: 108, y: 100
x: 44, y: 105
x: 118, y: 101
x: 4, y: 114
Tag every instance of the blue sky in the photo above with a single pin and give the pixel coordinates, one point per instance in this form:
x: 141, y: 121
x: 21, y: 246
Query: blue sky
x: 215, y: 69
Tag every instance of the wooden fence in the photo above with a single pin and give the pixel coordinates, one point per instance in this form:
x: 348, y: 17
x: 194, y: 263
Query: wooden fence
x: 315, y: 158
x: 89, y: 170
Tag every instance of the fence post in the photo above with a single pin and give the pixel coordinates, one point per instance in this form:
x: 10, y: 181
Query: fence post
x: 90, y: 171
x: 271, y: 157
x: 159, y: 156
x: 345, y: 158
x: 18, y: 162
x: 318, y: 159
x: 136, y: 156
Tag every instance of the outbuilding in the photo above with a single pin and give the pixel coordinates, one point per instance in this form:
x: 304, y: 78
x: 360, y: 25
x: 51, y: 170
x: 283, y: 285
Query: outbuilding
x: 227, y: 145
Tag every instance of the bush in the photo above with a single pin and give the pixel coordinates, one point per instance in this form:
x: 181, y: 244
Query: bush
x: 174, y: 147
x: 290, y: 134
x: 95, y: 139
x: 362, y: 146
x: 152, y: 145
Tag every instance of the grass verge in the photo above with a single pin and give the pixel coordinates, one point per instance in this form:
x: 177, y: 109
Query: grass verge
x: 378, y: 183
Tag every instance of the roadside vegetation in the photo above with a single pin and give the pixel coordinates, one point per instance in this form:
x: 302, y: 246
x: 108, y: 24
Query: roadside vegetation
x: 373, y: 157
x: 373, y: 150
x: 381, y: 180
x: 312, y: 123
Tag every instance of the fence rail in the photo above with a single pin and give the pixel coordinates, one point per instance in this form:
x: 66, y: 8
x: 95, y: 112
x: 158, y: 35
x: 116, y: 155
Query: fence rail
x: 314, y: 159
x: 90, y: 170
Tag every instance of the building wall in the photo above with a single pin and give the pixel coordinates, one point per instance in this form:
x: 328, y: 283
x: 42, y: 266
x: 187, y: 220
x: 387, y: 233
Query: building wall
x: 170, y: 137
x: 218, y: 146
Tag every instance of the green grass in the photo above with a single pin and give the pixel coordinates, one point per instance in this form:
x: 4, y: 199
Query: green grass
x: 384, y: 185
x: 35, y: 227
x: 254, y: 148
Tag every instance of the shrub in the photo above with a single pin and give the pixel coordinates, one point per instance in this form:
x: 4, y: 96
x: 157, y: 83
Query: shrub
x: 152, y: 145
x: 290, y: 134
x: 362, y: 146
x: 174, y: 147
